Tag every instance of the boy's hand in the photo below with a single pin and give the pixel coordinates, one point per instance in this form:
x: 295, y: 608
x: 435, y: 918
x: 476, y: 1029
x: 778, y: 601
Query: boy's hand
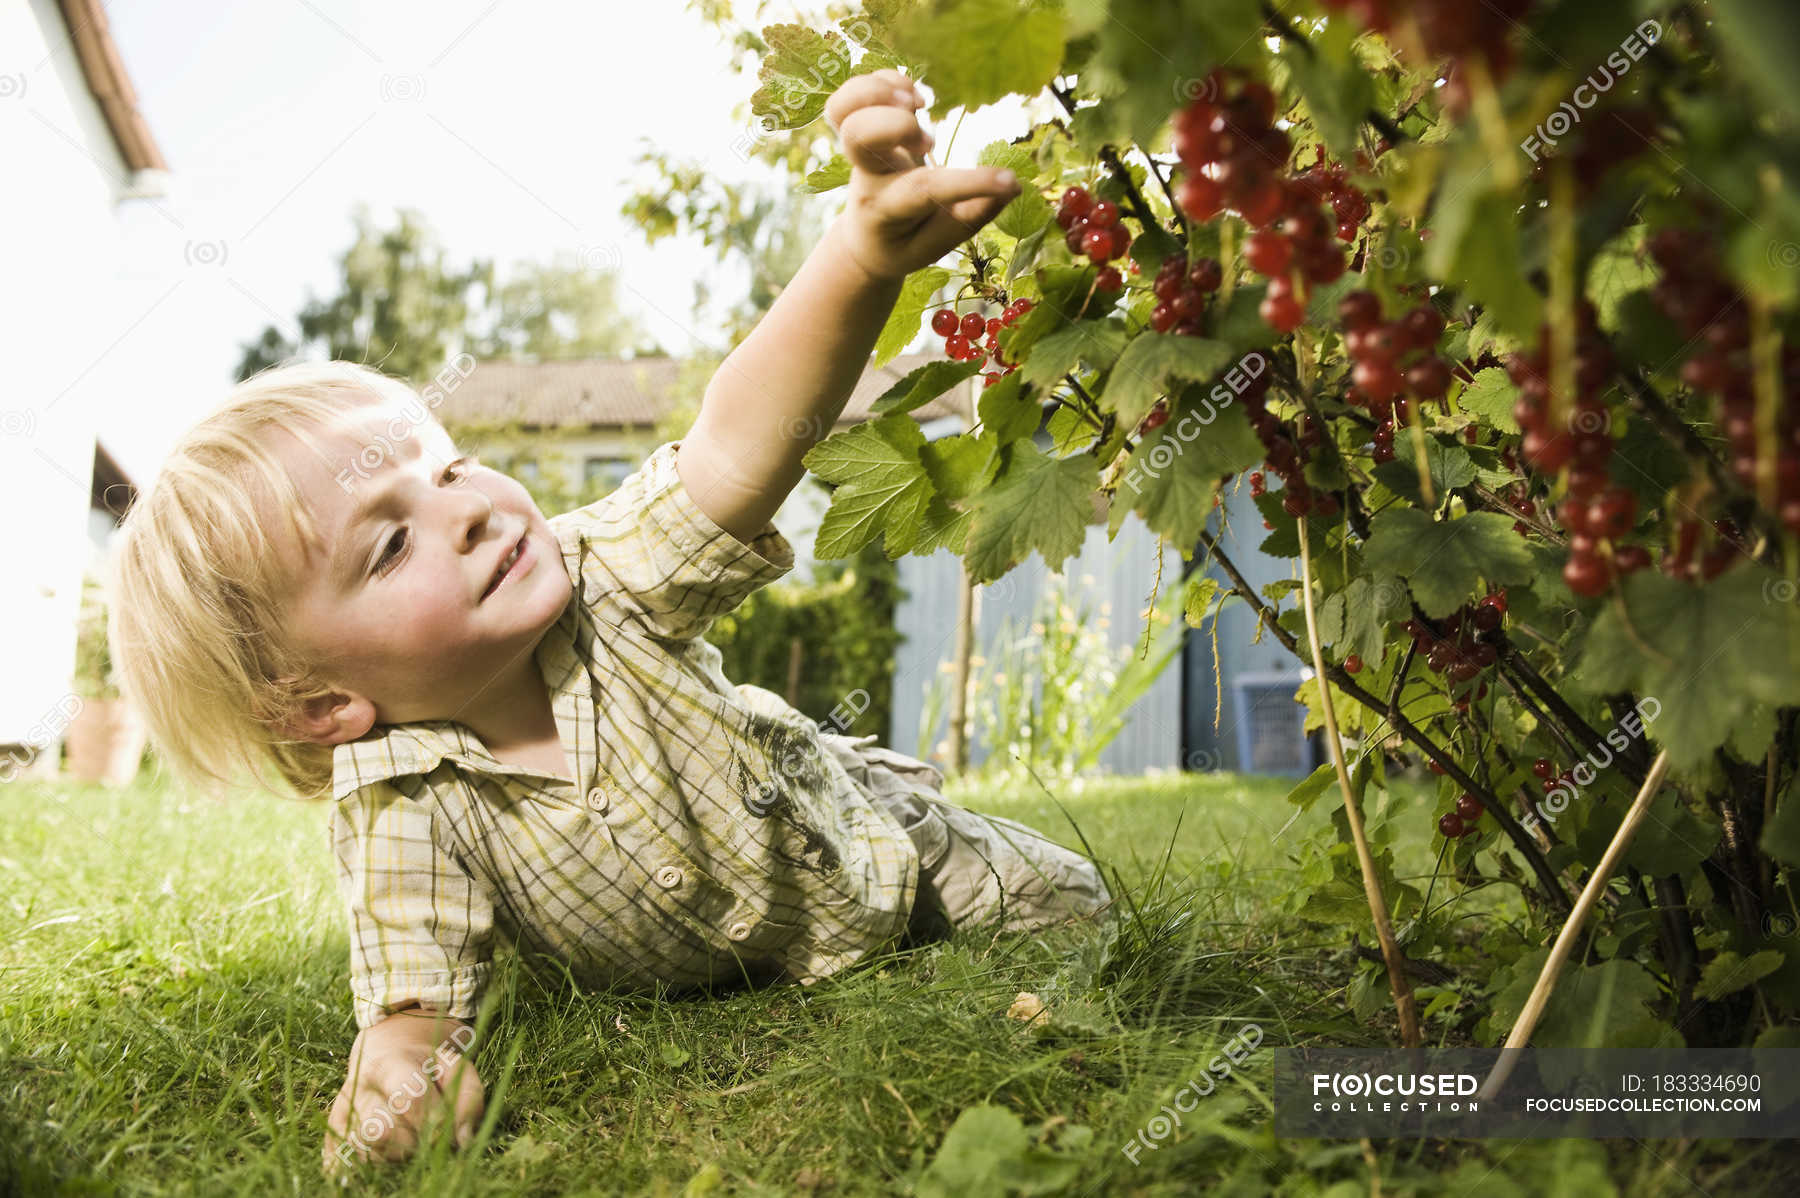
x: 902, y: 214
x: 375, y: 1115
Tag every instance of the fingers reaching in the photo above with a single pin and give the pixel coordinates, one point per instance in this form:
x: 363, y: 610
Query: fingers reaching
x: 887, y: 87
x: 953, y: 198
x: 884, y: 140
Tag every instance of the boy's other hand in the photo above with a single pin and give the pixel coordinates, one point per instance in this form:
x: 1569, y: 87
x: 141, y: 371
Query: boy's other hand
x: 376, y: 1117
x: 903, y: 214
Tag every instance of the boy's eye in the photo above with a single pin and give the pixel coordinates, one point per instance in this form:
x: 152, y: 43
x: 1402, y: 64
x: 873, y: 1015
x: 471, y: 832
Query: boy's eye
x: 396, y: 542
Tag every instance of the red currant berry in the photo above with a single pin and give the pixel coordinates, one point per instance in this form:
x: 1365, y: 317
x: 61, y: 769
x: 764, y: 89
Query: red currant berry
x: 1282, y: 313
x: 972, y: 326
x: 1469, y: 807
x: 944, y: 322
x: 1353, y: 664
x: 1544, y: 768
x: 1451, y: 825
x: 1268, y: 252
x: 1588, y: 575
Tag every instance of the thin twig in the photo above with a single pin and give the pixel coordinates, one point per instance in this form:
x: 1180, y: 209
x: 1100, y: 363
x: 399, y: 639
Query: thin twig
x: 1571, y: 929
x: 1404, y: 1002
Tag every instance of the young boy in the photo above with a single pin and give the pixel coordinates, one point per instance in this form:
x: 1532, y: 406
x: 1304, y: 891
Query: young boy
x: 519, y: 722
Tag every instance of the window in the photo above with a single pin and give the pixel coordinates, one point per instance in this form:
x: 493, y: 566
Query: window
x: 610, y: 471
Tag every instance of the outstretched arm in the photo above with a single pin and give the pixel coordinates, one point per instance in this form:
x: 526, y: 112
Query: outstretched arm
x: 779, y: 393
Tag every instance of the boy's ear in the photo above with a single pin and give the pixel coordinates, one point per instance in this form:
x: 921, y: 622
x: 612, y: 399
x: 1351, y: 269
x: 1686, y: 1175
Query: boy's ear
x: 332, y: 719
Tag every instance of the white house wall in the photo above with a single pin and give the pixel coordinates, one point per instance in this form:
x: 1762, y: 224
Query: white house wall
x: 59, y: 246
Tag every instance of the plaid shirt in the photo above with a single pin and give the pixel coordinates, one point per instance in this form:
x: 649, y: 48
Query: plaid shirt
x: 709, y: 829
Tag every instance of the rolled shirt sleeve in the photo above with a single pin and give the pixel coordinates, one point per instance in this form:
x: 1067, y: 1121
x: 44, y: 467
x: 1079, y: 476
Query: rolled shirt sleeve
x: 421, y: 927
x: 654, y: 560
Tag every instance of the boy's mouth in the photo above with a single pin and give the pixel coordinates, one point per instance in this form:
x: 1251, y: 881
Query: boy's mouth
x: 507, y: 563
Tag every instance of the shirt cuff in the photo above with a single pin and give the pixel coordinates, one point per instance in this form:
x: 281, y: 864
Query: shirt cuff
x: 455, y: 992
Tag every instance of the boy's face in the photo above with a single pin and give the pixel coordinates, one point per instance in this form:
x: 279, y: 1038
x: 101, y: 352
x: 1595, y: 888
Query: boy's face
x: 399, y: 611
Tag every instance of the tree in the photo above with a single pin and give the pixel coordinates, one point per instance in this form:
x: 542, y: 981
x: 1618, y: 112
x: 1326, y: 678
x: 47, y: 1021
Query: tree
x: 402, y: 309
x: 561, y: 310
x: 399, y: 307
x: 1521, y: 349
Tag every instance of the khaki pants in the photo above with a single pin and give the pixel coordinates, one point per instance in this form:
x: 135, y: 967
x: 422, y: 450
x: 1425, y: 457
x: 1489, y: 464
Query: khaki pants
x: 975, y: 870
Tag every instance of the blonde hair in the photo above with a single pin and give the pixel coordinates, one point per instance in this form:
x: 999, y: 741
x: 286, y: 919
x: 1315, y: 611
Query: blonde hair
x: 194, y: 585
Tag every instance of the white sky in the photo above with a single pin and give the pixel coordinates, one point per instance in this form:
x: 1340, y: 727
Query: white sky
x: 510, y: 124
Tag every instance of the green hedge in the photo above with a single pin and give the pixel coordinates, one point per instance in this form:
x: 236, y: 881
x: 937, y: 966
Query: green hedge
x: 845, y: 623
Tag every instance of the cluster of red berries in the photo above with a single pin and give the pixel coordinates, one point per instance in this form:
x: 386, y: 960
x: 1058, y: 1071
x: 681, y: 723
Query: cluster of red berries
x: 1448, y: 29
x: 1708, y: 309
x: 1235, y: 158
x: 1726, y: 551
x: 1285, y: 454
x: 1461, y: 822
x: 1232, y: 153
x: 1182, y: 293
x: 1550, y: 778
x: 1394, y: 359
x: 1596, y: 513
x: 1094, y: 231
x: 1464, y: 650
x: 1330, y: 184
x: 963, y: 336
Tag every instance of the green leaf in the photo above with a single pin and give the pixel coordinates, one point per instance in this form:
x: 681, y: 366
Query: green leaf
x: 1145, y: 371
x: 909, y: 309
x: 1037, y: 502
x: 1062, y: 292
x: 1477, y: 243
x: 1355, y: 619
x: 1490, y: 396
x: 832, y: 175
x: 1600, y: 1006
x: 987, y: 1153
x: 1445, y: 562
x: 1448, y: 463
x: 882, y: 487
x: 1198, y: 599
x: 976, y: 51
x: 1617, y: 271
x: 922, y: 385
x: 1008, y: 411
x: 1781, y: 836
x: 1707, y: 654
x: 1239, y: 324
x: 1025, y: 254
x: 799, y: 72
x: 1173, y: 472
x: 1728, y: 973
x: 1337, y: 89
x: 1313, y: 786
x: 959, y: 465
x: 1029, y: 212
x: 1096, y: 342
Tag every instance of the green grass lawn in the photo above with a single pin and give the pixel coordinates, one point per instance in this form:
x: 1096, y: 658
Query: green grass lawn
x: 175, y: 1018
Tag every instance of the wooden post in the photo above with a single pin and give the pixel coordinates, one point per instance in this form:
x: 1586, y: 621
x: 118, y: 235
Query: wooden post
x: 796, y: 653
x: 965, y: 641
x: 959, y: 689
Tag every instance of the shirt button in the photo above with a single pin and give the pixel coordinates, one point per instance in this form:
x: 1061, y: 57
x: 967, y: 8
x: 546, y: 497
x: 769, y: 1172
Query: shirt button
x: 739, y: 931
x: 597, y: 799
x: 668, y: 877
